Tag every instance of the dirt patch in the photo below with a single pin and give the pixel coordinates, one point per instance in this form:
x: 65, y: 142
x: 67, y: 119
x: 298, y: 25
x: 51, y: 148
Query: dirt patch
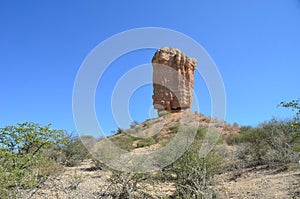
x: 260, y: 183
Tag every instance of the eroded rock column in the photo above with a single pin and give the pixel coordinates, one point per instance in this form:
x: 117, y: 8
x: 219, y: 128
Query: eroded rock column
x: 173, y: 80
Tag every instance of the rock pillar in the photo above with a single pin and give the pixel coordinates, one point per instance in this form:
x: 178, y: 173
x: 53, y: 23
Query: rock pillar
x: 173, y: 80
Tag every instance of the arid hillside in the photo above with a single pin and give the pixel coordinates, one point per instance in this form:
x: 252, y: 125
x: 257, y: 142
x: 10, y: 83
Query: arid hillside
x: 245, y: 162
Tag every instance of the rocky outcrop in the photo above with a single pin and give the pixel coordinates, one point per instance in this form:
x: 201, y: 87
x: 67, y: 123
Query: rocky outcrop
x: 173, y: 80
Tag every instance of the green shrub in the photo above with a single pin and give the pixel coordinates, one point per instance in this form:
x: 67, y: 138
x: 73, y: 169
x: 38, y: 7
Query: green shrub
x: 294, y: 105
x: 146, y: 123
x: 163, y: 113
x: 146, y: 142
x: 74, y: 152
x: 271, y: 143
x: 233, y: 139
x: 124, y: 141
x: 249, y: 135
x: 194, y: 174
x: 22, y: 155
x: 118, y: 131
x: 200, y: 133
x: 174, y: 128
x: 125, y: 185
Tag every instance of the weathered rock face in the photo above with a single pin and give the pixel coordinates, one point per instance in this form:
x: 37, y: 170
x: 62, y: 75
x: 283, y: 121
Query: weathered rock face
x: 173, y: 80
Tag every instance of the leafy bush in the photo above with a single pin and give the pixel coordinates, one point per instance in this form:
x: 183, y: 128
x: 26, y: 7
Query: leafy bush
x: 200, y: 133
x: 270, y: 143
x: 274, y: 142
x: 22, y: 155
x: 294, y: 105
x: 248, y: 134
x: 74, y: 152
x: 194, y: 174
x: 124, y: 141
x: 174, y: 128
x: 122, y: 185
x: 146, y: 142
x: 163, y: 113
x: 279, y: 137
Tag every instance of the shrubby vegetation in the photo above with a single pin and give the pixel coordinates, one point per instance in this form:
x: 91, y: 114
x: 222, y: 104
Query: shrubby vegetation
x: 30, y: 153
x: 163, y: 113
x: 23, y: 164
x: 273, y: 142
x: 191, y: 174
x: 74, y: 152
x: 129, y: 143
x: 294, y: 105
x: 174, y: 128
x: 146, y: 142
x: 125, y: 185
x: 194, y: 174
x: 124, y: 142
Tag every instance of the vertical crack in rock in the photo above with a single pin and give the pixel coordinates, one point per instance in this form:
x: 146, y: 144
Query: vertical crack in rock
x: 173, y: 80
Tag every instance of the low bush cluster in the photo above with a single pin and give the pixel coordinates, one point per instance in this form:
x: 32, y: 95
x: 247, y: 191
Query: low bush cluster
x: 191, y: 174
x: 30, y: 152
x: 22, y: 161
x: 146, y: 142
x: 194, y: 174
x: 273, y: 142
x: 74, y: 152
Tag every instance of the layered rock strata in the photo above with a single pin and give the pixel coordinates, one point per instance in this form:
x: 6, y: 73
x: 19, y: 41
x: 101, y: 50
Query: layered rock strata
x: 173, y: 80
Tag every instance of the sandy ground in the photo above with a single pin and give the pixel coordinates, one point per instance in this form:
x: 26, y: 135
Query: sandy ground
x: 260, y: 182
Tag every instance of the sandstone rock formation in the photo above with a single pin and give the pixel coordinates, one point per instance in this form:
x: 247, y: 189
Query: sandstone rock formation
x: 173, y: 80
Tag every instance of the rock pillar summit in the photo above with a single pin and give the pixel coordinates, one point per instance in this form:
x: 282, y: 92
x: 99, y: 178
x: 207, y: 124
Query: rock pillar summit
x: 173, y: 80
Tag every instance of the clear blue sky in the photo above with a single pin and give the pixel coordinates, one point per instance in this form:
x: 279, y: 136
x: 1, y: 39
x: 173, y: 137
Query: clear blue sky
x: 255, y: 44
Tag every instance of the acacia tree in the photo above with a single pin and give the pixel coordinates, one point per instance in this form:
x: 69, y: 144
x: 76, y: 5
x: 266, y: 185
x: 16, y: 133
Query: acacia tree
x: 294, y: 105
x: 22, y: 156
